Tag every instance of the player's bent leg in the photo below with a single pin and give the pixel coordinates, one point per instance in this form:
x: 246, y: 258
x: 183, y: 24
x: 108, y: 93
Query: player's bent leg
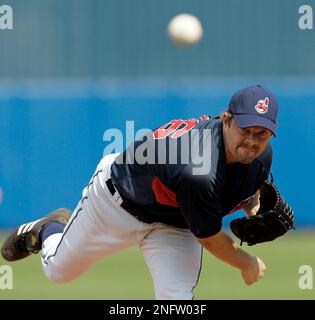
x: 89, y: 236
x: 174, y: 258
x: 97, y: 228
x: 66, y: 256
x: 61, y: 259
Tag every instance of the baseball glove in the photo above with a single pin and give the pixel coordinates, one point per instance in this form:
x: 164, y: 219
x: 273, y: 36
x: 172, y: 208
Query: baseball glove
x: 273, y: 219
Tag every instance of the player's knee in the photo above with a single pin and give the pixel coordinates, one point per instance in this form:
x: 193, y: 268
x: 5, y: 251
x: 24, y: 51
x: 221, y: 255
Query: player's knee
x: 59, y: 276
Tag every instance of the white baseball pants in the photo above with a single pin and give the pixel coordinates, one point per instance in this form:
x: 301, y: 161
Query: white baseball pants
x: 99, y: 227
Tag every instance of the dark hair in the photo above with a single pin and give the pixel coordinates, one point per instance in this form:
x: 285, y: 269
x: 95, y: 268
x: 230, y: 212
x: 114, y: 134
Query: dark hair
x: 229, y: 114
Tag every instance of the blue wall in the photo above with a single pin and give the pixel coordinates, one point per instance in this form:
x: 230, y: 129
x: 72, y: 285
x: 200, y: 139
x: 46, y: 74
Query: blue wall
x: 52, y: 135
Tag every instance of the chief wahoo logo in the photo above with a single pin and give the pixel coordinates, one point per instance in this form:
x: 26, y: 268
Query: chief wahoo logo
x: 262, y: 105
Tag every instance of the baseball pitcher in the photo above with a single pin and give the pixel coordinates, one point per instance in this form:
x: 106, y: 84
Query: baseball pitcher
x: 168, y: 194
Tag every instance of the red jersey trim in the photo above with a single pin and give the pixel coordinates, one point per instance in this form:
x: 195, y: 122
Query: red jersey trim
x: 241, y: 205
x: 163, y: 195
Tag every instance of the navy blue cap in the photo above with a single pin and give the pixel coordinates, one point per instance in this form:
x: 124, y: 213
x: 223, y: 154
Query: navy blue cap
x: 255, y: 106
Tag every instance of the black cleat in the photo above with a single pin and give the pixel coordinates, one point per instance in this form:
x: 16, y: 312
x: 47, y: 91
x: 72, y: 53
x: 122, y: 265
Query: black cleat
x: 25, y: 240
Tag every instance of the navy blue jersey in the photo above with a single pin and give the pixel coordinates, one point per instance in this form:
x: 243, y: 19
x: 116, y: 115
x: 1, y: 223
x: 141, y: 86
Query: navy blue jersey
x: 178, y: 175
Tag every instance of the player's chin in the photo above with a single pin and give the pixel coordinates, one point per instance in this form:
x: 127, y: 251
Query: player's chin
x: 246, y: 159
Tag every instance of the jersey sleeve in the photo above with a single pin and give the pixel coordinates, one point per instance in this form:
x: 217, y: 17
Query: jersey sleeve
x: 200, y: 205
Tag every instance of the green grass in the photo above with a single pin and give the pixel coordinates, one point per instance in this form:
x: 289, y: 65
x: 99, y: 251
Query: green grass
x: 125, y: 276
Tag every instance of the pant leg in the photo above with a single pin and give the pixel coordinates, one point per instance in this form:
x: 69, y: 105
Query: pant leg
x: 173, y: 257
x: 98, y: 227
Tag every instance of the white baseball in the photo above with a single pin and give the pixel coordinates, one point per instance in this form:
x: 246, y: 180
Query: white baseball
x: 185, y: 29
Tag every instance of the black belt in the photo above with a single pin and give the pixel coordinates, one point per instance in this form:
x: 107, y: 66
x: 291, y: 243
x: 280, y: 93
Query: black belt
x: 124, y: 204
x: 111, y: 187
x: 115, y: 194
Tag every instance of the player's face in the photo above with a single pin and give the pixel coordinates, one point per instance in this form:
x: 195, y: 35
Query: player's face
x: 244, y: 144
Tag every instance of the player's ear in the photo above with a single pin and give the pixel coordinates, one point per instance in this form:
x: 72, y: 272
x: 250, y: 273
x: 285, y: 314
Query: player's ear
x: 225, y: 118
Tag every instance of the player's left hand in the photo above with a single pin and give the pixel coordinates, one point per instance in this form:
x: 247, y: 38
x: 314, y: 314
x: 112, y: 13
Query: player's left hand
x: 273, y: 219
